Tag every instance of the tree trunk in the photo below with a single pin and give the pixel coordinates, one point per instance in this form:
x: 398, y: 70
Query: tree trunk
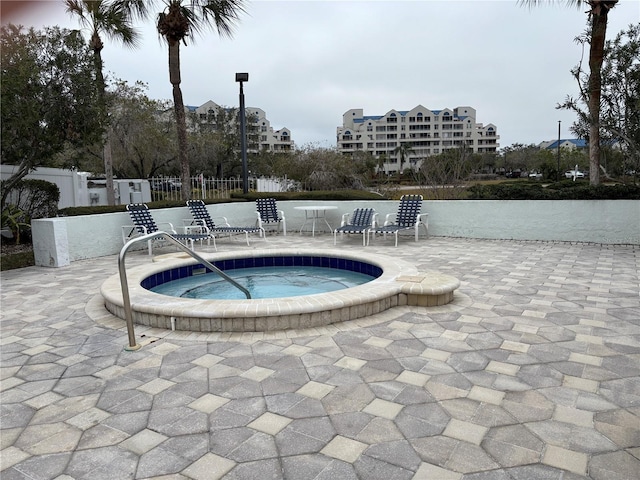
x: 96, y: 45
x: 108, y: 168
x: 181, y: 122
x: 596, y: 54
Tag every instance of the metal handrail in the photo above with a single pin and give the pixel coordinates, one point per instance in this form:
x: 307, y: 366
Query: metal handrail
x: 124, y: 284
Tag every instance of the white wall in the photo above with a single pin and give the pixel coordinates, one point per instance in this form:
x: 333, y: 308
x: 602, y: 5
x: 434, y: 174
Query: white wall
x: 596, y: 221
x: 72, y: 185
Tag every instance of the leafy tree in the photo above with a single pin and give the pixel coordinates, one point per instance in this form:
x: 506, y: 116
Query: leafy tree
x: 445, y: 174
x: 404, y: 150
x: 47, y: 97
x: 214, y: 143
x: 620, y: 101
x: 598, y: 17
x: 114, y: 20
x: 270, y: 164
x: 141, y: 140
x: 518, y: 157
x: 326, y: 169
x: 179, y: 20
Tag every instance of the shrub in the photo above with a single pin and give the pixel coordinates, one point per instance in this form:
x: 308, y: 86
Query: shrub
x: 37, y: 198
x: 331, y: 195
x: 564, y: 190
x: 17, y: 221
x: 17, y: 260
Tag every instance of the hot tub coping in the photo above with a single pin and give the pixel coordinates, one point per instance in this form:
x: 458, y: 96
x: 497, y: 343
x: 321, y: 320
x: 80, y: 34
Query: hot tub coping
x: 401, y: 283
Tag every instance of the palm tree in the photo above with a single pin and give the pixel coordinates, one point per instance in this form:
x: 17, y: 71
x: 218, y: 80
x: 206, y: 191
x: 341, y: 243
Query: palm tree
x: 113, y: 19
x: 404, y: 149
x: 598, y: 15
x: 179, y: 20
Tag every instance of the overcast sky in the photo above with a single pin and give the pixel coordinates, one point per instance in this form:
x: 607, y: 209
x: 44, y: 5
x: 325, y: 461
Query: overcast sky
x: 311, y: 61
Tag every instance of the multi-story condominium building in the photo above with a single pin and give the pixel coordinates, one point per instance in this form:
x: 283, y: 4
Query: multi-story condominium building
x: 260, y: 134
x: 426, y: 132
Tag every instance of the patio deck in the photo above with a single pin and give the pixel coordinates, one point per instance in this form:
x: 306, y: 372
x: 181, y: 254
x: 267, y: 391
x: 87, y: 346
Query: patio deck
x: 533, y: 372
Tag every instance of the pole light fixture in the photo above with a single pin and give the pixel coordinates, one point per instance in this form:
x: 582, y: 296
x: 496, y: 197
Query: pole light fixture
x: 241, y: 78
x: 558, y: 170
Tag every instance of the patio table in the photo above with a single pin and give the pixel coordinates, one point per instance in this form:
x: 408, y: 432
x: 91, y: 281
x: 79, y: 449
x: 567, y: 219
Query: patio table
x: 315, y: 213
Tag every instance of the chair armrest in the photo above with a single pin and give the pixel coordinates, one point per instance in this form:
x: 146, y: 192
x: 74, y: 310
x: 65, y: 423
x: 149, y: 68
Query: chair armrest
x: 345, y: 219
x: 224, y: 222
x: 129, y: 232
x: 171, y: 229
x: 374, y: 220
x: 388, y: 218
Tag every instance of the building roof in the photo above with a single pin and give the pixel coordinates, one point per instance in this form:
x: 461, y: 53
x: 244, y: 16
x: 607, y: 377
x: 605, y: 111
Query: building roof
x: 577, y: 142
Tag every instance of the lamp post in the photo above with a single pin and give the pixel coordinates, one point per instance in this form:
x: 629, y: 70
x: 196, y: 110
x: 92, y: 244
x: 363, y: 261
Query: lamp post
x: 558, y: 170
x: 240, y: 78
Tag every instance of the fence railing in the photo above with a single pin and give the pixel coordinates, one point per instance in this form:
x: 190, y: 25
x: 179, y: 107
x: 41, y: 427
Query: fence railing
x: 170, y: 188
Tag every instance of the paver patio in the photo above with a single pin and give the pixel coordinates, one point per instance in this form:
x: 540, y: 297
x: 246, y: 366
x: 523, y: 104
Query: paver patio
x: 533, y: 372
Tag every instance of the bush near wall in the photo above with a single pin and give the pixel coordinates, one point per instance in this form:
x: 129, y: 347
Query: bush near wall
x: 27, y: 200
x: 326, y: 195
x: 565, y: 190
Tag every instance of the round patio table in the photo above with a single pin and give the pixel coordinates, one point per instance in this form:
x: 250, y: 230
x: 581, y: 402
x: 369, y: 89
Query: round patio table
x: 315, y: 213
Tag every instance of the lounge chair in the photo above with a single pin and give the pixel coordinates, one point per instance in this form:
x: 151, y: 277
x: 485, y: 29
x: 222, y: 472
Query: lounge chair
x: 268, y: 214
x: 360, y: 221
x: 202, y: 218
x: 144, y: 223
x: 407, y: 218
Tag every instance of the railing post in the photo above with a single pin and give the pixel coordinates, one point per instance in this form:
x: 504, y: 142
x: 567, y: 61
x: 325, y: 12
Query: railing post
x: 124, y: 284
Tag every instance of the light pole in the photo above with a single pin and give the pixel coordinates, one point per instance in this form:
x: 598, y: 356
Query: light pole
x: 558, y: 170
x: 240, y: 78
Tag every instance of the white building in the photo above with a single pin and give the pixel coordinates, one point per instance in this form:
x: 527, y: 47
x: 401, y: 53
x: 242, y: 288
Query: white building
x: 569, y: 144
x: 426, y: 132
x: 260, y: 134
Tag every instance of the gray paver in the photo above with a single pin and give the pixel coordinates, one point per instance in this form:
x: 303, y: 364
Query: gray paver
x: 533, y: 372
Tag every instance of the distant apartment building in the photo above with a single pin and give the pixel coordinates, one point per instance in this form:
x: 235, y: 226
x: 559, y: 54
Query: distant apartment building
x: 260, y: 134
x: 569, y: 144
x: 426, y: 132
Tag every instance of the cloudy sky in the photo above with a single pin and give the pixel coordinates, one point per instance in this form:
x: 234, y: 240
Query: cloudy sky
x: 311, y: 61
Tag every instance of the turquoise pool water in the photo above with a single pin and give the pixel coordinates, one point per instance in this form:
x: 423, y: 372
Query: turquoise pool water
x: 264, y: 282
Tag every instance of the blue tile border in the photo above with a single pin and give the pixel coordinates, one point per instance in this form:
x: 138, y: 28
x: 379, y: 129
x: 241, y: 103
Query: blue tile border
x: 266, y: 261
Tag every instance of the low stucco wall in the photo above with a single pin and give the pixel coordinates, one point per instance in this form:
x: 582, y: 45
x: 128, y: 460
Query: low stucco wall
x: 595, y: 221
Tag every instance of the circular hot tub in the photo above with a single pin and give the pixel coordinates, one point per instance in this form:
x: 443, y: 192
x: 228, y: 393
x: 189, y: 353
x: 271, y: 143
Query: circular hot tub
x: 394, y: 283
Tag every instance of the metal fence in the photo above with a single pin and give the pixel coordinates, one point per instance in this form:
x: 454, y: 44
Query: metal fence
x: 170, y: 188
